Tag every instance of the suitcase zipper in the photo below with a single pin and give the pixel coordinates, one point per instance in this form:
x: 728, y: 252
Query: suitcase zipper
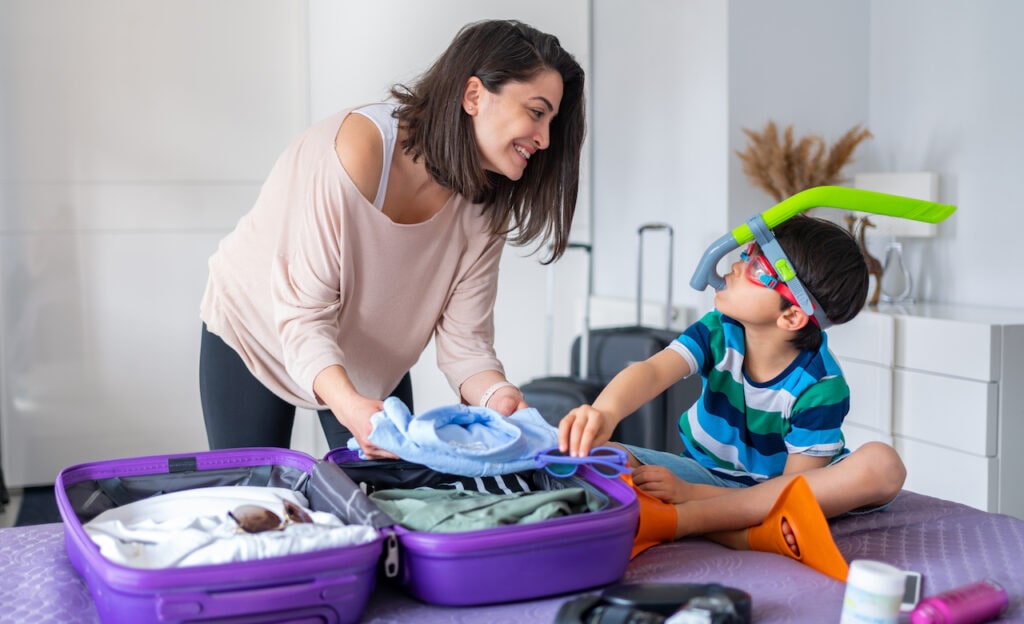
x: 391, y: 554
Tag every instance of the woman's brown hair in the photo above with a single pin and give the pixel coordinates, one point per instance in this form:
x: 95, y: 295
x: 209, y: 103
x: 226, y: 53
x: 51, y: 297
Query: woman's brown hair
x: 541, y: 204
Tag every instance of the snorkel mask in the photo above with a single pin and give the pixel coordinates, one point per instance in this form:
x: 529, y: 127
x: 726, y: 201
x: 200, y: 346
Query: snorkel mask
x: 758, y: 229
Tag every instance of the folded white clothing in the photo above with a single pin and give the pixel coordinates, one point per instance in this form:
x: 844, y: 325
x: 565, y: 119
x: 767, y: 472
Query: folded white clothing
x: 192, y: 527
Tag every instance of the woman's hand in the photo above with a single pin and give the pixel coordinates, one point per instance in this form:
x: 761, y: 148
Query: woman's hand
x: 490, y: 389
x: 507, y: 401
x: 353, y: 410
x: 356, y: 418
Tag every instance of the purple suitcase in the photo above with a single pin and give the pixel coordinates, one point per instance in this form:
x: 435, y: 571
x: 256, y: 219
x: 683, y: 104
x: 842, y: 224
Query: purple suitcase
x: 521, y: 561
x: 327, y: 586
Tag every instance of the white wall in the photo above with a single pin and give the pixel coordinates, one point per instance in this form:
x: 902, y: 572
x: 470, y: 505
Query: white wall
x: 946, y: 96
x: 798, y: 62
x: 136, y: 134
x: 660, y: 110
x: 671, y: 100
x: 935, y: 82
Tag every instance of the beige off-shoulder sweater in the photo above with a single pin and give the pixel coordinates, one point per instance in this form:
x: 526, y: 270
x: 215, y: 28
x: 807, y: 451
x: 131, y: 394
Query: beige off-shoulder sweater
x: 314, y: 275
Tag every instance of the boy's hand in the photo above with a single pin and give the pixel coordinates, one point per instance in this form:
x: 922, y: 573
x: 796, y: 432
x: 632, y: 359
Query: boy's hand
x: 584, y: 428
x: 659, y: 482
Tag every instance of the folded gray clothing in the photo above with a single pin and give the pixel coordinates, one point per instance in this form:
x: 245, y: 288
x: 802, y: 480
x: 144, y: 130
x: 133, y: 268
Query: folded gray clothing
x: 451, y: 511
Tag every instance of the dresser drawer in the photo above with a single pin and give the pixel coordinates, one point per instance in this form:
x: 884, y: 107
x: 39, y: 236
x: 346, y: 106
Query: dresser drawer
x: 869, y: 338
x: 952, y: 412
x: 955, y: 348
x: 856, y: 436
x: 870, y: 395
x: 949, y: 474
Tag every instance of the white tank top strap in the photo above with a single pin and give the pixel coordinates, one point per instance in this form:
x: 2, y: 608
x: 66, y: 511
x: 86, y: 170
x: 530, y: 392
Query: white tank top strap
x: 380, y: 115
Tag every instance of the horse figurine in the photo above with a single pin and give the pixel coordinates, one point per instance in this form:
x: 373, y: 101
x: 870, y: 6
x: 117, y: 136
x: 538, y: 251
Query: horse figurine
x: 857, y: 226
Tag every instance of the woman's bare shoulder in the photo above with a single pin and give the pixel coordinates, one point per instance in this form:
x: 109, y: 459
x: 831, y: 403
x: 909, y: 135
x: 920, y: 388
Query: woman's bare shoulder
x: 360, y: 151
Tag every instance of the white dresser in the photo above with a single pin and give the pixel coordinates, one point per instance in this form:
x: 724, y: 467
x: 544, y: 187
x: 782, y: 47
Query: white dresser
x: 944, y: 384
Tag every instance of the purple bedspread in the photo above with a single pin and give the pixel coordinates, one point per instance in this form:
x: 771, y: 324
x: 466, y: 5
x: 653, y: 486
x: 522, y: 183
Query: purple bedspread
x: 950, y: 544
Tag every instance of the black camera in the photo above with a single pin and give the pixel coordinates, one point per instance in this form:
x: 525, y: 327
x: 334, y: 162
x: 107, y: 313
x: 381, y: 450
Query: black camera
x: 659, y: 603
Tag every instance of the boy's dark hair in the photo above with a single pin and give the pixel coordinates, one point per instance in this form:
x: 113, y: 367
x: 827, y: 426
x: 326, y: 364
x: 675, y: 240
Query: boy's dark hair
x: 830, y: 265
x: 542, y: 203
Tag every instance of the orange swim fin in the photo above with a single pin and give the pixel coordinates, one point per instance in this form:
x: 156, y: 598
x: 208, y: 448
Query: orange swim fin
x: 657, y: 520
x: 797, y: 505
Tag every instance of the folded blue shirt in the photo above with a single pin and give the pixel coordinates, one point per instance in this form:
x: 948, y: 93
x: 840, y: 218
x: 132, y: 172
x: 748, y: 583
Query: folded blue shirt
x: 462, y: 439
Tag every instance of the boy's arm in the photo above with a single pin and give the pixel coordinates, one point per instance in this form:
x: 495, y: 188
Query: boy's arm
x: 798, y: 462
x: 588, y: 426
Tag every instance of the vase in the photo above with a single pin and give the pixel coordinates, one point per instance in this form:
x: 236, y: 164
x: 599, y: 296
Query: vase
x: 896, y: 281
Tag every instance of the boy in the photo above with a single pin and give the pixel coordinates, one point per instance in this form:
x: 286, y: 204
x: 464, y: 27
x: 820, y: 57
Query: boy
x: 763, y: 442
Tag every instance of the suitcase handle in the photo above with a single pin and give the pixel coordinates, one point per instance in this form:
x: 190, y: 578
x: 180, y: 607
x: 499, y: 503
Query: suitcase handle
x: 646, y: 227
x: 549, y: 312
x: 203, y: 605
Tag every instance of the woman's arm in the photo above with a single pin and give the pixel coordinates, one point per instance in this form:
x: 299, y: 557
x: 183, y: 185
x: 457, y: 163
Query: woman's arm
x: 334, y: 389
x: 464, y: 334
x: 307, y: 281
x: 490, y: 389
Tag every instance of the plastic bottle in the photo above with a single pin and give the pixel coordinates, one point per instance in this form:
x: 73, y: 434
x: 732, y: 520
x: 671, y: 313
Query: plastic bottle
x: 873, y: 591
x: 976, y: 602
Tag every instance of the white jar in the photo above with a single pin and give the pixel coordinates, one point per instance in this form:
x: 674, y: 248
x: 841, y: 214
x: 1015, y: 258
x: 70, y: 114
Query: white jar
x: 873, y: 592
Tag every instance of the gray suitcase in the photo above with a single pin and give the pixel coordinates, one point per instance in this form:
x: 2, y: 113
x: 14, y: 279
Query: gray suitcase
x: 553, y: 396
x: 656, y: 424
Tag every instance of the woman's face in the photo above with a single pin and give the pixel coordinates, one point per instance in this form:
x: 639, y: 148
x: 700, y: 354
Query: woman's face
x: 512, y: 124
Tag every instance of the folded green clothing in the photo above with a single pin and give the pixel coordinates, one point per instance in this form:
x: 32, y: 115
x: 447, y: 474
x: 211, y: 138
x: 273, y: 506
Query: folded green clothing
x: 451, y: 511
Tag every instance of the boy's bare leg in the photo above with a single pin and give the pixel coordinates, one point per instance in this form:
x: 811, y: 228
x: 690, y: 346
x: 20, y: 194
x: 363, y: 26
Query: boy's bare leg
x: 787, y: 514
x: 871, y: 476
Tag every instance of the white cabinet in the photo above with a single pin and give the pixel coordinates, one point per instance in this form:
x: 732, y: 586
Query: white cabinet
x: 944, y: 384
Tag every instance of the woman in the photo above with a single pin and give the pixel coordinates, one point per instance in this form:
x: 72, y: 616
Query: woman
x: 382, y: 226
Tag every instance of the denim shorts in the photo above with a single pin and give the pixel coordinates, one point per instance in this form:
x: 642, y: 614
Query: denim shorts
x: 685, y: 468
x: 690, y: 471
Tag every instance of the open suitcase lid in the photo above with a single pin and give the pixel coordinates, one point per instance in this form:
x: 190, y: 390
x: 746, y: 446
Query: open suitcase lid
x: 330, y: 488
x: 333, y: 584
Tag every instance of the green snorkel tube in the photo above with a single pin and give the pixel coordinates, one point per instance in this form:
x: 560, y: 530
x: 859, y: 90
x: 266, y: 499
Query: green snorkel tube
x: 758, y: 228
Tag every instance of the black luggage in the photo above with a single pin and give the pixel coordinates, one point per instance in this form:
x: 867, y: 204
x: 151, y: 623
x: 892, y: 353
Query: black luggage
x: 656, y: 424
x: 553, y: 396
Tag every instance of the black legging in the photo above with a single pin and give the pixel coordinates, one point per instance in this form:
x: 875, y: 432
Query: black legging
x: 239, y: 411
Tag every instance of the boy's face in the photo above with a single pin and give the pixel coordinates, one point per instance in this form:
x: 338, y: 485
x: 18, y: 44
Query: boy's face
x: 751, y: 293
x: 761, y: 272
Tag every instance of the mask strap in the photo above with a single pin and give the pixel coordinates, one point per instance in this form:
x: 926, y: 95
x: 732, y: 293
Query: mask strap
x: 773, y: 252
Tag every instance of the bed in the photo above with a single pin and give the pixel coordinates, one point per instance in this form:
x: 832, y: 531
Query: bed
x: 949, y: 543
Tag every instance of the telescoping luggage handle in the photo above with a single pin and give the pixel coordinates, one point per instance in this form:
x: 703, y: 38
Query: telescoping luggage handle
x: 640, y: 271
x: 549, y: 316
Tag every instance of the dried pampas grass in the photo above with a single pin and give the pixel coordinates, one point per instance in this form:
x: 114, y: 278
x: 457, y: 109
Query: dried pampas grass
x: 784, y: 168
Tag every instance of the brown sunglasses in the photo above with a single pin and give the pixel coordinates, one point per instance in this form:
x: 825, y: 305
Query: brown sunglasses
x: 256, y: 519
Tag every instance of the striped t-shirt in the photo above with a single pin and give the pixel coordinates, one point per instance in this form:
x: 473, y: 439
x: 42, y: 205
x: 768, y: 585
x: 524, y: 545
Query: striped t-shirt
x: 744, y: 430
